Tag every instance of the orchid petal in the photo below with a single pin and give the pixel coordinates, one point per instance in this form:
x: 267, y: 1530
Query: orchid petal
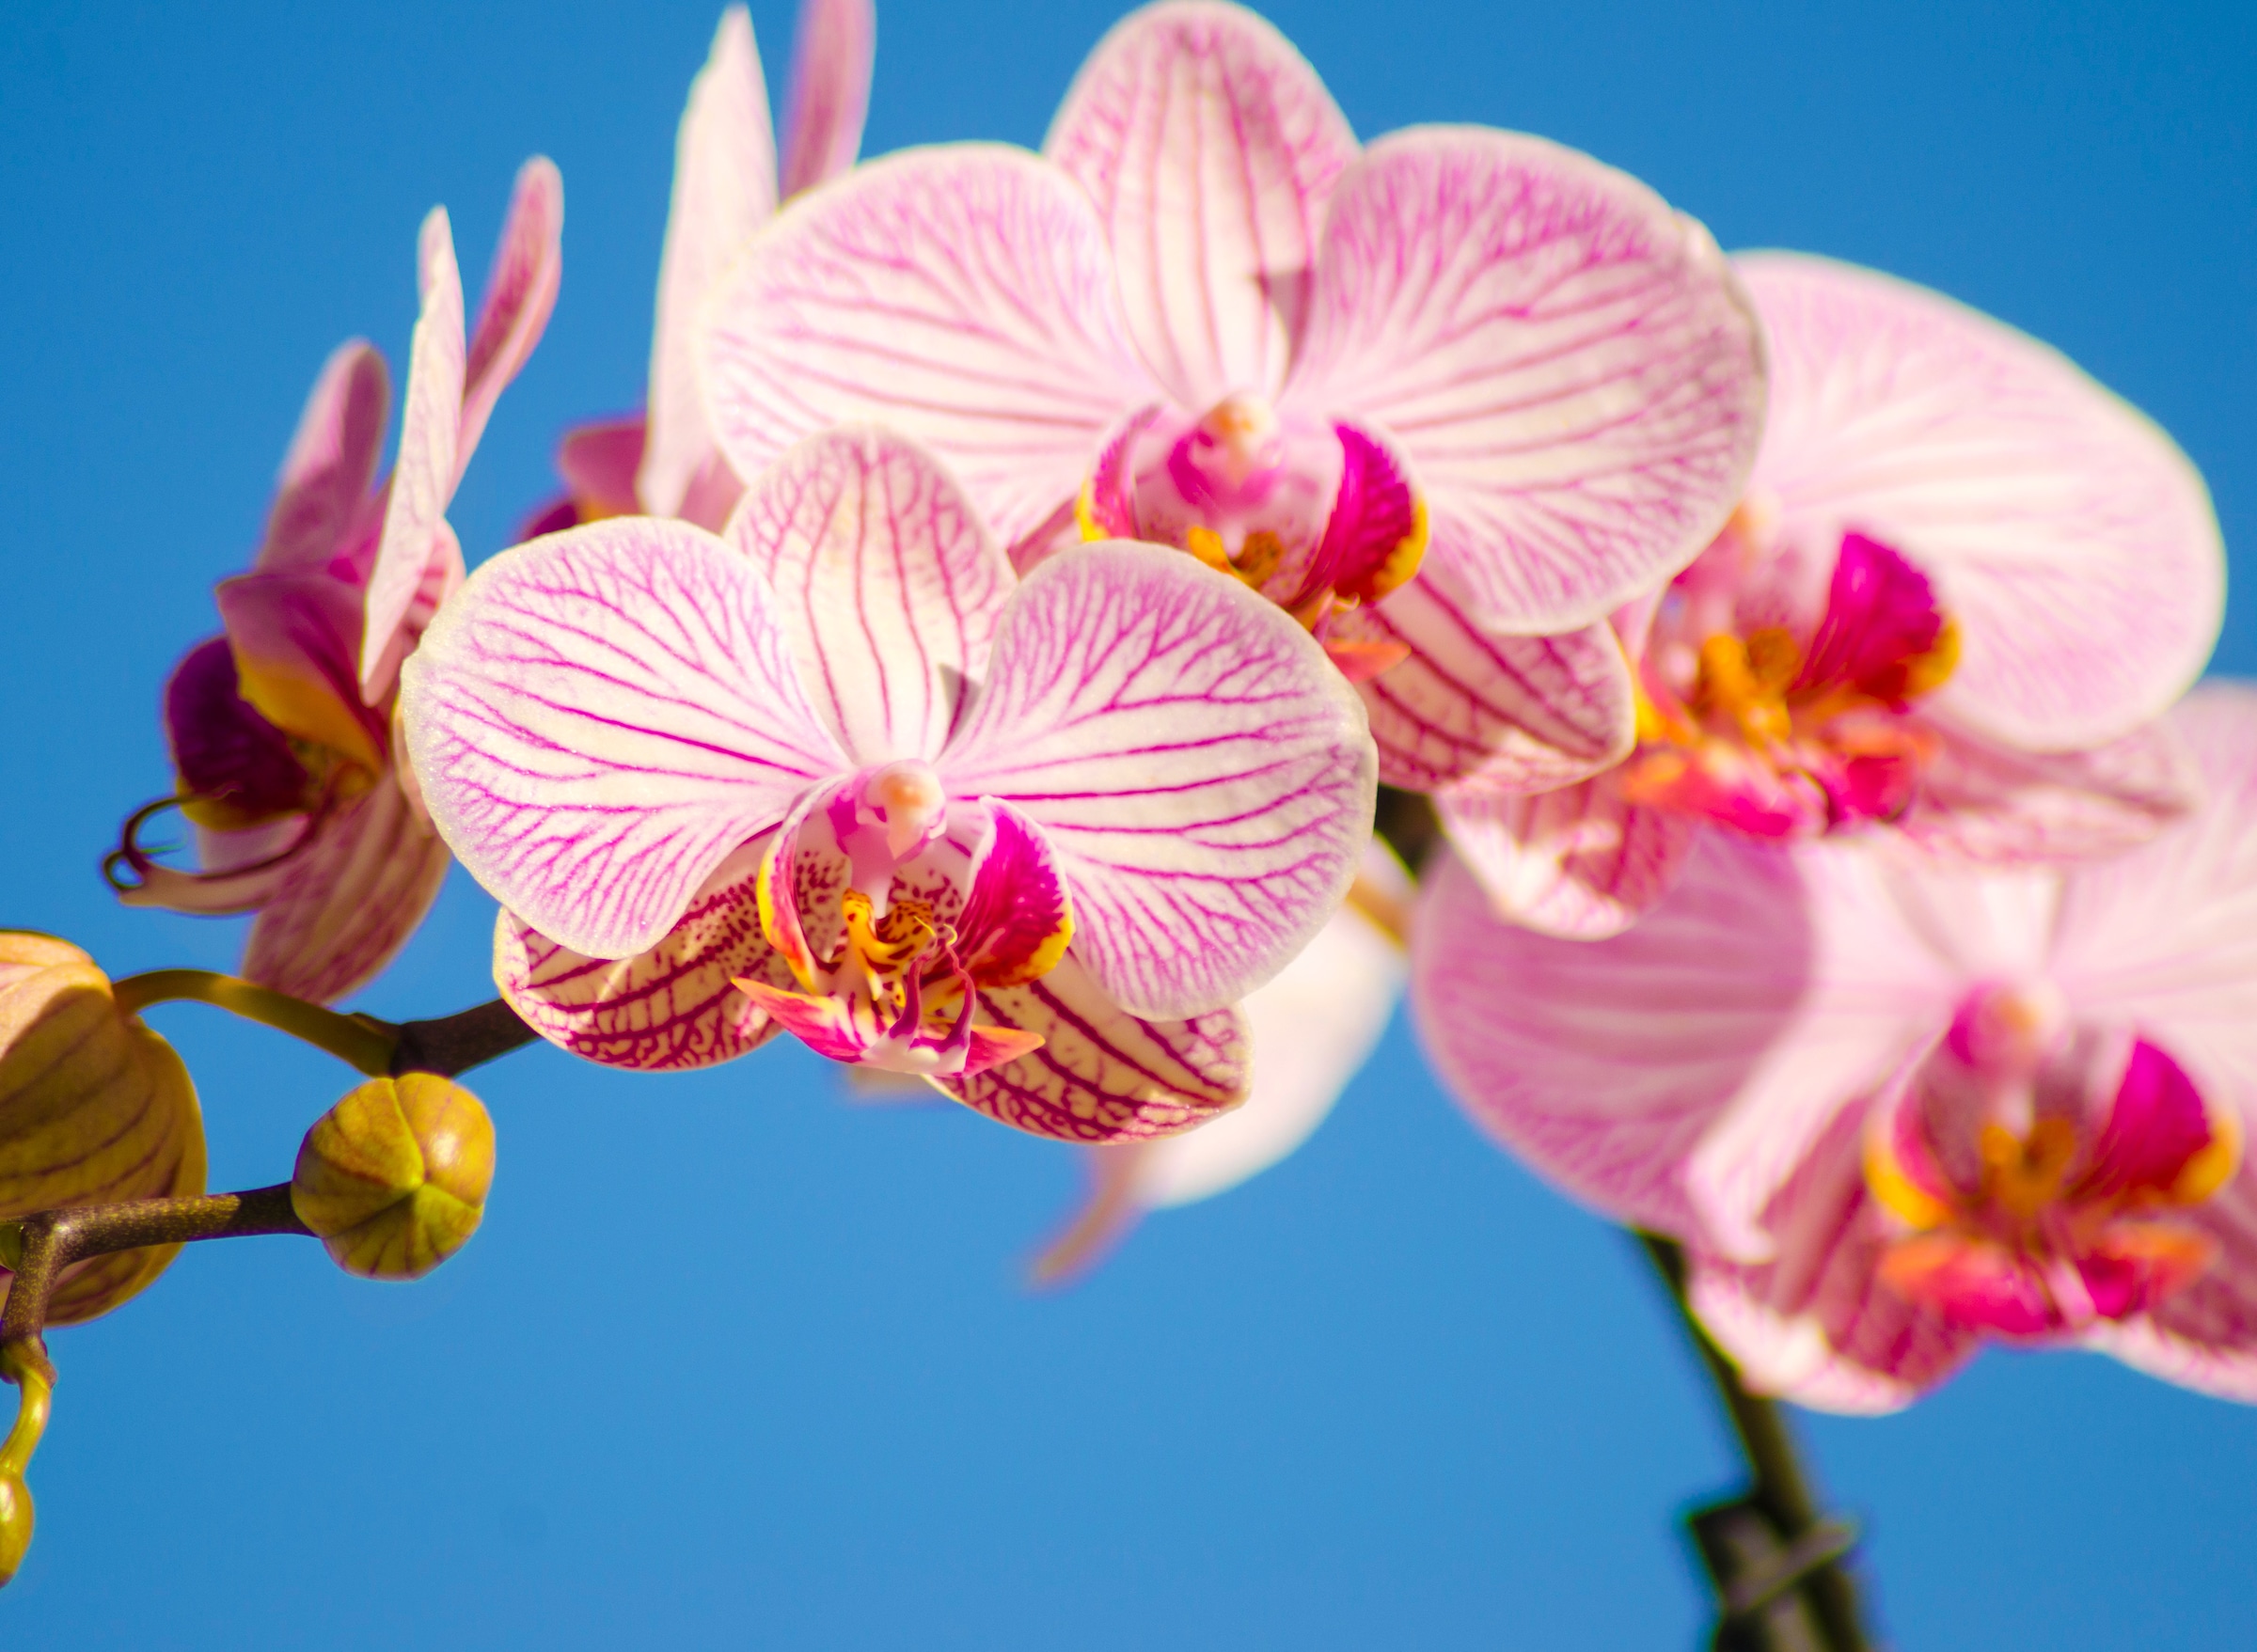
x: 241, y: 869
x: 1985, y: 803
x: 1569, y: 365
x: 1817, y: 1325
x: 724, y: 190
x: 2205, y: 1334
x: 235, y: 767
x: 1202, y: 772
x: 886, y: 580
x: 350, y: 900
x: 1582, y: 862
x: 1210, y: 148
x: 423, y: 470
x: 443, y: 576
x: 599, y: 718
x: 293, y: 632
x: 963, y: 294
x: 2069, y: 538
x: 1311, y: 1030
x: 520, y: 292
x: 599, y: 462
x: 332, y: 460
x: 2167, y: 935
x: 1016, y: 918
x: 669, y: 1009
x: 1102, y: 1074
x: 1470, y: 706
x: 830, y: 91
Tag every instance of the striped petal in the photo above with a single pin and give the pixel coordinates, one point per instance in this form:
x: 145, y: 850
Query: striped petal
x: 669, y: 1009
x: 724, y: 190
x: 1569, y: 365
x: 332, y: 460
x: 600, y: 717
x: 2069, y: 538
x: 520, y: 292
x: 2204, y: 1336
x: 1102, y: 1074
x: 887, y: 581
x: 1986, y: 803
x: 350, y: 900
x: 1470, y: 706
x: 424, y: 470
x: 1580, y: 862
x: 1210, y: 148
x: 829, y: 91
x: 1202, y: 770
x: 963, y: 294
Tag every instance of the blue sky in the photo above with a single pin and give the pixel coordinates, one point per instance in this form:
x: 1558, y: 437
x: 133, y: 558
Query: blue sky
x: 737, y: 1361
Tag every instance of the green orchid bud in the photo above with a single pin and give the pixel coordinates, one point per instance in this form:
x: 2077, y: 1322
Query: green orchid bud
x: 94, y: 1109
x: 393, y: 1178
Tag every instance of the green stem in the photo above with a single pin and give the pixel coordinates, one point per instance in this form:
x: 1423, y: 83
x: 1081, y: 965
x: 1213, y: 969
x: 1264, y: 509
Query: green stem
x: 1780, y: 1489
x: 351, y: 1039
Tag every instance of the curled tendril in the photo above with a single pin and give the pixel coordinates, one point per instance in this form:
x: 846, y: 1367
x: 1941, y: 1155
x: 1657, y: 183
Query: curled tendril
x: 132, y: 855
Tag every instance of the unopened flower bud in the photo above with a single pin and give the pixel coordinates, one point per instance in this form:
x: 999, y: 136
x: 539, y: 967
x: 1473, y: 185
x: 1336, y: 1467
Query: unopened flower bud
x: 393, y: 1178
x: 94, y: 1109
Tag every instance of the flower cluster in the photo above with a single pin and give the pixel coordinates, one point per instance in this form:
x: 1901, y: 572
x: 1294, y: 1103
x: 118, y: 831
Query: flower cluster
x: 1032, y: 578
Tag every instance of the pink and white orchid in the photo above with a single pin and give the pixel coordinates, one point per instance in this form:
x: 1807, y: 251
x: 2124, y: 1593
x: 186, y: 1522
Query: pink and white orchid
x: 727, y: 184
x: 1309, y: 1030
x: 281, y: 729
x: 837, y: 771
x: 1449, y: 400
x: 1965, y: 580
x: 1894, y: 1110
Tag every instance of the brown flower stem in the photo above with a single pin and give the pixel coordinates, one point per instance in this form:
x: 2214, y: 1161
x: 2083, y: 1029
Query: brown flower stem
x: 455, y: 1043
x: 38, y: 1248
x: 366, y: 1046
x: 1776, y: 1564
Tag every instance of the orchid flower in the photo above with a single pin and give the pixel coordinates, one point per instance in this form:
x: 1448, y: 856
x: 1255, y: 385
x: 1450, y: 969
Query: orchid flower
x: 727, y: 183
x: 1310, y: 1031
x: 838, y: 772
x: 1895, y: 1110
x: 1448, y: 400
x: 281, y: 729
x: 1964, y: 582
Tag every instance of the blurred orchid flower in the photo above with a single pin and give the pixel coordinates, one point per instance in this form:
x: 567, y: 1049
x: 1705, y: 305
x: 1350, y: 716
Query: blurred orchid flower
x: 1894, y: 1110
x: 281, y: 729
x: 1448, y: 400
x: 839, y: 772
x: 727, y: 183
x: 1310, y: 1031
x: 1965, y: 581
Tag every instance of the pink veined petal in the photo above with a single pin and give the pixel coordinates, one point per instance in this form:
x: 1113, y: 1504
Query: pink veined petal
x: 294, y: 636
x: 1980, y: 801
x: 1202, y: 770
x: 724, y: 189
x: 829, y: 91
x: 1473, y: 707
x: 332, y: 460
x: 599, y: 718
x: 1569, y: 365
x: 1102, y: 1074
x: 521, y: 290
x: 2204, y: 1336
x: 1817, y: 1325
x: 423, y: 471
x: 2068, y: 536
x: 443, y: 576
x: 1580, y: 862
x: 1311, y: 1029
x: 1210, y: 148
x: 598, y: 463
x: 669, y: 1009
x: 962, y: 293
x: 2166, y: 937
x: 1017, y: 917
x: 350, y: 901
x: 1604, y: 1064
x: 886, y: 580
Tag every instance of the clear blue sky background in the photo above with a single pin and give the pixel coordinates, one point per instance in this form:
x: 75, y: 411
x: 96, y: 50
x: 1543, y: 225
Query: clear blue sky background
x: 736, y: 1362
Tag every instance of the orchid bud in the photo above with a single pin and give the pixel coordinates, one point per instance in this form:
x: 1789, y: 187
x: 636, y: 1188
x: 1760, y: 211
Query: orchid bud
x: 393, y: 1178
x: 94, y: 1109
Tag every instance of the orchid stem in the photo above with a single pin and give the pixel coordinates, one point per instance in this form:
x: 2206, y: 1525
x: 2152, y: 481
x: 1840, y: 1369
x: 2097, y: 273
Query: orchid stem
x: 362, y: 1044
x: 1782, y: 1587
